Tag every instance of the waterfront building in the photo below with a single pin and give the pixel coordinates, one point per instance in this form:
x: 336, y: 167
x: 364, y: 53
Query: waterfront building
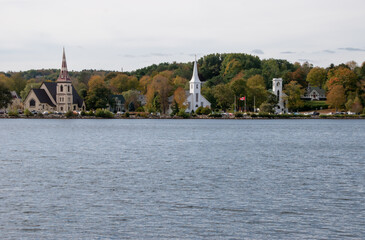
x: 277, y: 88
x: 314, y: 93
x: 58, y: 96
x: 194, y: 98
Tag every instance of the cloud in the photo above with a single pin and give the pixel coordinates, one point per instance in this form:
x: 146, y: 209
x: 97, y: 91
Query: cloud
x: 352, y: 49
x: 304, y: 60
x: 328, y: 51
x: 287, y: 52
x: 257, y: 51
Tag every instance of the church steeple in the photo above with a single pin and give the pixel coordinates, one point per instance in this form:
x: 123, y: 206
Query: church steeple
x: 64, y: 73
x: 195, y: 77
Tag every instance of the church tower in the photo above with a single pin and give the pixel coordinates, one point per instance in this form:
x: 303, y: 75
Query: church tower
x: 195, y: 87
x: 277, y: 88
x: 64, y: 97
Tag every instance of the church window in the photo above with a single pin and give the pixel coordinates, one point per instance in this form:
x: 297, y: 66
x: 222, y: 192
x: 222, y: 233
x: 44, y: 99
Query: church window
x: 32, y: 103
x: 202, y: 104
x: 189, y: 106
x: 42, y: 106
x: 278, y: 84
x: 74, y: 107
x: 68, y: 88
x: 197, y: 97
x: 278, y: 95
x: 69, y: 99
x: 61, y: 88
x: 61, y: 108
x: 197, y: 86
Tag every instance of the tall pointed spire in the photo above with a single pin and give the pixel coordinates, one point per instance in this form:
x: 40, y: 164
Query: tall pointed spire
x: 64, y: 73
x: 195, y: 77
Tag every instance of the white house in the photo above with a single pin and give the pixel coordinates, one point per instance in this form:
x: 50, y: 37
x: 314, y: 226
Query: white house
x: 194, y: 98
x: 277, y: 88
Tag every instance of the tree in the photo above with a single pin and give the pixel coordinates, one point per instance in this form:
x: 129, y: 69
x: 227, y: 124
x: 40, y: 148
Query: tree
x: 257, y: 93
x: 160, y: 87
x: 175, y: 108
x: 294, y: 91
x: 131, y: 107
x: 336, y: 97
x: 5, y: 96
x: 357, y: 106
x: 17, y: 83
x: 143, y: 83
x: 345, y: 76
x: 98, y: 95
x: 270, y: 103
x: 131, y: 96
x: 317, y: 77
x: 180, y: 97
x: 224, y: 96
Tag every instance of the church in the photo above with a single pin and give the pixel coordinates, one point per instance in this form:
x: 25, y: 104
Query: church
x: 58, y: 96
x: 194, y: 98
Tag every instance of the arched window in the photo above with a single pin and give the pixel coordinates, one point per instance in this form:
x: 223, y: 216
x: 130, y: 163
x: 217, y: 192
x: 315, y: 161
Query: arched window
x: 32, y: 103
x: 278, y: 84
x: 61, y: 88
x: 197, y: 86
x: 68, y: 88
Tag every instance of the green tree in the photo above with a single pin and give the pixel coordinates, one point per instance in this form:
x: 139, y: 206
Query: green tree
x: 5, y: 96
x: 317, y: 77
x: 17, y: 83
x: 294, y: 91
x: 224, y: 96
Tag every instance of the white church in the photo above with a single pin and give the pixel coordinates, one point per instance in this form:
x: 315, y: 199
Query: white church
x: 194, y: 98
x: 277, y: 88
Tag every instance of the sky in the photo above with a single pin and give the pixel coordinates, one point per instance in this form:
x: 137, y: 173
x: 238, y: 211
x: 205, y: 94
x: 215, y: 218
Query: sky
x: 131, y: 34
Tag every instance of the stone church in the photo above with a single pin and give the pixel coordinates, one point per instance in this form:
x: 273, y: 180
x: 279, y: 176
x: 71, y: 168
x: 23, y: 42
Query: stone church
x: 58, y: 96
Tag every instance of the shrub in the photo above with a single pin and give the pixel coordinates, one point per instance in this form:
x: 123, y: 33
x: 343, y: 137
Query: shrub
x: 362, y: 115
x: 140, y: 109
x: 183, y: 114
x: 70, y: 114
x: 90, y: 113
x: 206, y: 110
x: 253, y: 115
x: 28, y: 113
x: 199, y: 110
x: 13, y: 113
x: 83, y: 113
x: 103, y: 113
x: 238, y: 115
x: 215, y: 115
x: 126, y: 115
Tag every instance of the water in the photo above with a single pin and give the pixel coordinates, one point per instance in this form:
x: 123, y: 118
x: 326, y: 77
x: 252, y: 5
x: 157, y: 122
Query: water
x: 185, y: 179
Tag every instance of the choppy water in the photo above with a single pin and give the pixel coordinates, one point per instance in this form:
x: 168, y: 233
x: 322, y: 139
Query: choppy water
x: 185, y: 179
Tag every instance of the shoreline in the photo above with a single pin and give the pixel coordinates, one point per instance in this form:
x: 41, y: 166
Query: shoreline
x: 195, y: 117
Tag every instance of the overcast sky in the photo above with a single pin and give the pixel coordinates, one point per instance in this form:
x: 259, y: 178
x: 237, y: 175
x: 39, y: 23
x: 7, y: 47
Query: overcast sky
x: 130, y: 34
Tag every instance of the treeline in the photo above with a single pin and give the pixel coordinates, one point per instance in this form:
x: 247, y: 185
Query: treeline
x: 226, y: 77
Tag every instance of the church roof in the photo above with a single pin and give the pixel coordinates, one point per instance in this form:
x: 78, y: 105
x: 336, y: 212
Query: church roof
x: 195, y: 77
x: 52, y: 88
x: 320, y: 91
x: 64, y: 72
x: 43, y: 96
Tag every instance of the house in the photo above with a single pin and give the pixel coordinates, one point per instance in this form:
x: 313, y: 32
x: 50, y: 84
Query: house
x: 117, y: 103
x: 314, y: 93
x: 16, y: 102
x: 58, y: 96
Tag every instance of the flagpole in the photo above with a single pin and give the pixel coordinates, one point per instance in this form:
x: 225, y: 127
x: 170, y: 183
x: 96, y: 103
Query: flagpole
x: 254, y: 104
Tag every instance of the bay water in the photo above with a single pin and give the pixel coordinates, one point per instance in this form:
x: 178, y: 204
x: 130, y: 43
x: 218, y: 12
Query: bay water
x: 182, y: 179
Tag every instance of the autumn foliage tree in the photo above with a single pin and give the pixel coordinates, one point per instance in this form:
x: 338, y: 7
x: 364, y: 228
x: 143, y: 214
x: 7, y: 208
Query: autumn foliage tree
x: 159, y: 90
x: 180, y: 97
x: 336, y: 97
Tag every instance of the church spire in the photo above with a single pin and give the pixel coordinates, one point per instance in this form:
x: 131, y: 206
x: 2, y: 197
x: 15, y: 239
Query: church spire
x: 64, y: 73
x: 195, y: 77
